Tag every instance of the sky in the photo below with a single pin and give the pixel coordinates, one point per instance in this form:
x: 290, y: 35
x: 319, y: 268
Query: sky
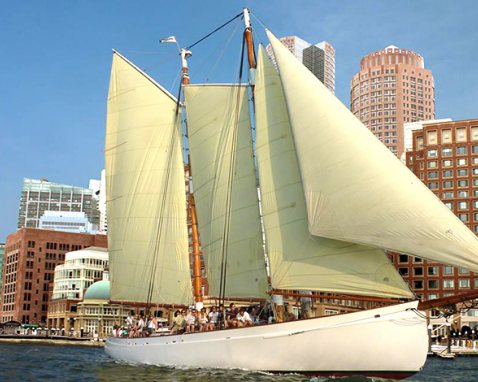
x: 56, y: 58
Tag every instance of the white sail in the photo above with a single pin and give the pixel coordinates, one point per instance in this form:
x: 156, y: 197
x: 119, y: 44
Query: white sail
x: 356, y: 190
x: 146, y: 202
x: 298, y: 259
x: 224, y: 182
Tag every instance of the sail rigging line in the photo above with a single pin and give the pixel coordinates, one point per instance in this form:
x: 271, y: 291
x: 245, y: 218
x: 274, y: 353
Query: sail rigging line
x: 214, y: 31
x: 159, y: 226
x: 232, y: 165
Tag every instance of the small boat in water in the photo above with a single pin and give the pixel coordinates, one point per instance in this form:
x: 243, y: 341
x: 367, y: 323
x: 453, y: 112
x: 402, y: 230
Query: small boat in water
x: 310, y: 189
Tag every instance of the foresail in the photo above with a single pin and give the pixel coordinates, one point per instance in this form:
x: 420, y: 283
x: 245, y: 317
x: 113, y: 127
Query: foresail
x: 299, y: 260
x: 225, y: 189
x: 356, y: 190
x: 146, y: 202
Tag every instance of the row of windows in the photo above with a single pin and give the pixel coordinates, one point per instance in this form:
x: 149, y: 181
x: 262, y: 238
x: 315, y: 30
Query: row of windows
x: 432, y: 270
x: 448, y: 162
x: 451, y: 184
x: 451, y: 173
x: 448, y: 151
x: 447, y: 284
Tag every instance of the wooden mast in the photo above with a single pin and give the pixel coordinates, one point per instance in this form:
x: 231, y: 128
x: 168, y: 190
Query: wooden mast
x: 196, y: 253
x: 248, y: 37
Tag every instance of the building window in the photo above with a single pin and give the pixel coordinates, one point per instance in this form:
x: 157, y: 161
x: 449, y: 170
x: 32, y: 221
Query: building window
x: 461, y: 162
x: 432, y: 185
x: 446, y: 151
x: 463, y: 183
x: 447, y: 270
x: 433, y: 271
x: 433, y: 284
x: 433, y: 163
x: 462, y: 172
x: 463, y: 217
x: 447, y: 173
x: 403, y: 271
x: 448, y: 195
x: 464, y: 283
x: 448, y: 284
x: 448, y: 184
x: 462, y: 205
x: 418, y: 284
x: 418, y: 271
x: 461, y: 150
x: 462, y: 194
x: 447, y: 163
x: 432, y: 174
x: 461, y: 134
x: 403, y: 258
x: 463, y: 271
x: 432, y: 153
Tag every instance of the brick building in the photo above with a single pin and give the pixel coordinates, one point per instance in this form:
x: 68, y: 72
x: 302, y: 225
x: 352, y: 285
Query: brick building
x: 391, y: 88
x: 444, y: 156
x: 31, y: 256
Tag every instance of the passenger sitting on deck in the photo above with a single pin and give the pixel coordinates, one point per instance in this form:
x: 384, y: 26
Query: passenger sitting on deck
x: 231, y: 316
x: 213, y: 318
x: 243, y: 318
x: 179, y: 322
x: 191, y: 320
x: 203, y: 320
x: 150, y: 325
x: 221, y: 318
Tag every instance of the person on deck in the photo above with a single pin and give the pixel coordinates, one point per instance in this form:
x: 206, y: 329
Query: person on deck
x: 191, y: 320
x: 179, y: 322
x: 203, y: 320
x: 231, y: 315
x: 221, y: 318
x: 243, y: 318
x: 213, y: 318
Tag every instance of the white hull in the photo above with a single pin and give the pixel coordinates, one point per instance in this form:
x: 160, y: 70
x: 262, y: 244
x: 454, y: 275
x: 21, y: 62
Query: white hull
x: 390, y: 341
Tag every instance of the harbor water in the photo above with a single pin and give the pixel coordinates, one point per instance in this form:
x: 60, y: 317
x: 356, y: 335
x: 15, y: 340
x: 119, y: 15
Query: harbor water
x: 31, y: 362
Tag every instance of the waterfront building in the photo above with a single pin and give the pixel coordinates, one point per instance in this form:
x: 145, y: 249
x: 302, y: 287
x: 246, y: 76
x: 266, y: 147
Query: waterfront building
x: 444, y: 155
x: 80, y: 270
x: 31, y: 256
x: 410, y: 127
x: 318, y: 58
x: 392, y: 88
x: 2, y: 255
x: 67, y: 221
x: 97, y: 316
x: 41, y: 195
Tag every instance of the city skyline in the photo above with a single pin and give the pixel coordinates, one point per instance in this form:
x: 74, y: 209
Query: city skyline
x: 58, y: 58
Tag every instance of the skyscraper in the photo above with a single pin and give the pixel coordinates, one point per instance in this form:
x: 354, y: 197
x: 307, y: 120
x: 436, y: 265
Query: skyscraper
x: 318, y: 58
x: 39, y: 196
x: 391, y: 88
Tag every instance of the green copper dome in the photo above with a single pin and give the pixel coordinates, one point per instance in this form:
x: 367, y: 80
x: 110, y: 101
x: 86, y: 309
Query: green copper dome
x: 100, y: 290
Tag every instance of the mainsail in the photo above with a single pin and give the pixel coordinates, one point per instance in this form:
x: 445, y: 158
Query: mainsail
x: 146, y: 200
x: 225, y: 189
x: 356, y: 190
x: 298, y: 259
